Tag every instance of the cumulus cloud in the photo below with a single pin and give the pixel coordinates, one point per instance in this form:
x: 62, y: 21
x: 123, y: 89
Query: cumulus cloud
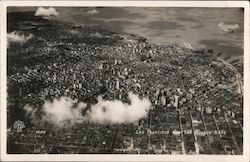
x: 93, y: 12
x: 29, y: 110
x: 62, y: 111
x: 118, y: 112
x: 17, y: 38
x: 66, y: 112
x: 30, y: 113
x: 228, y: 27
x: 46, y: 12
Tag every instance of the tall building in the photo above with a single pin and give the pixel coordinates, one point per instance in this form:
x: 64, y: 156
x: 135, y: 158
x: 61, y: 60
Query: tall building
x: 163, y: 99
x: 164, y: 145
x: 117, y: 84
x: 120, y: 94
x: 176, y: 101
x: 197, y: 149
x: 131, y: 146
x: 209, y: 110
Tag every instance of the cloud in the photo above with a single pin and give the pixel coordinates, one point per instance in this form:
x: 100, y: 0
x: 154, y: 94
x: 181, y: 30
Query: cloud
x: 66, y: 112
x: 30, y: 113
x: 29, y: 110
x: 46, y: 12
x: 17, y: 38
x: 229, y: 28
x: 62, y: 111
x: 113, y: 112
x: 93, y: 12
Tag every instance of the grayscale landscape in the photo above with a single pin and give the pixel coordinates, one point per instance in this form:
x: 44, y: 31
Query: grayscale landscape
x: 125, y: 80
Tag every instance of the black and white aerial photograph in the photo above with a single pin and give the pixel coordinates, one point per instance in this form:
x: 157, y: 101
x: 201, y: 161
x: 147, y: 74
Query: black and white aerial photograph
x: 124, y: 80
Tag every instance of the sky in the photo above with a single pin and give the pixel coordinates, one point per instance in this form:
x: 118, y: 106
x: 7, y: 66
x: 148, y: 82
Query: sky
x: 163, y: 25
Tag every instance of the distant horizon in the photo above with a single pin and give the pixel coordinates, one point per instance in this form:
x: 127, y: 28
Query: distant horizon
x: 194, y: 26
x: 160, y: 25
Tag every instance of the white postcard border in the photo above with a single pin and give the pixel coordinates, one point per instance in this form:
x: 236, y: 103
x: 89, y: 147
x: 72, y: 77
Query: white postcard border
x: 114, y: 157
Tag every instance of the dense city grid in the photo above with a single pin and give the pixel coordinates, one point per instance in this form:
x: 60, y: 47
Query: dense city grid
x: 196, y: 96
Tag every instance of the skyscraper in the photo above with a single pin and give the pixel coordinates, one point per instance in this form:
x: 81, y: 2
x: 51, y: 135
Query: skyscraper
x: 176, y: 101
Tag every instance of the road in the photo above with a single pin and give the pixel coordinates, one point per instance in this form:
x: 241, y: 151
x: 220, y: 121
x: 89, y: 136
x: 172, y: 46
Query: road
x: 239, y: 79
